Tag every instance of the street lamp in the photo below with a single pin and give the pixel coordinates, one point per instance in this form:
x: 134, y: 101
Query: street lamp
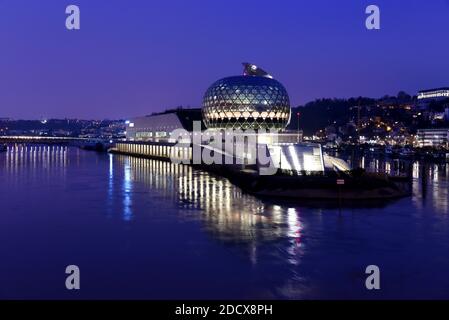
x: 298, y: 114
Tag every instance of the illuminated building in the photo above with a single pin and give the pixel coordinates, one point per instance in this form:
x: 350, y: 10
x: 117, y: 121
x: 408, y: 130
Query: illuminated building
x: 253, y: 107
x: 433, y: 94
x: 433, y: 137
x: 158, y: 126
x: 252, y: 101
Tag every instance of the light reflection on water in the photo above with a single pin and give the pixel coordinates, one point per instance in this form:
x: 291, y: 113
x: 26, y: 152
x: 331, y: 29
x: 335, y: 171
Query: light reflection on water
x: 430, y: 180
x: 228, y: 214
x: 275, y: 249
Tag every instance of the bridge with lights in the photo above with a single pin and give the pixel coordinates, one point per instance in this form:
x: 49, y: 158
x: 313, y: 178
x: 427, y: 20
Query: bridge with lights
x: 70, y: 141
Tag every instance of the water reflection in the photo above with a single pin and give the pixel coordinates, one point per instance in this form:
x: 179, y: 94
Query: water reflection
x: 20, y: 155
x: 227, y: 214
x: 430, y: 180
x: 37, y: 161
x: 148, y: 216
x: 127, y: 192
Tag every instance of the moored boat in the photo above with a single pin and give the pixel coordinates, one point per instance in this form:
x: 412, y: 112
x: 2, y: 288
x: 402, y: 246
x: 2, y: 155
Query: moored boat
x: 392, y: 151
x: 407, y: 152
x: 355, y: 185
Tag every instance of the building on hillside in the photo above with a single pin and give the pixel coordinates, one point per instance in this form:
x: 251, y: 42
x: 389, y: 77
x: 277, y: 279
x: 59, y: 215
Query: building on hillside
x: 433, y: 137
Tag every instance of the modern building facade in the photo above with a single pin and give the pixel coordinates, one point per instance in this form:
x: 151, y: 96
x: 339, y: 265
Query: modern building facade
x: 253, y: 108
x: 159, y: 126
x: 252, y: 101
x: 433, y: 137
x: 433, y: 94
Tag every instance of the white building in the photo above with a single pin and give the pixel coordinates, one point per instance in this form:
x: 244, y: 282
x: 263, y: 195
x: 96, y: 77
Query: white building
x: 159, y: 126
x: 433, y: 137
x: 245, y: 117
x: 433, y: 94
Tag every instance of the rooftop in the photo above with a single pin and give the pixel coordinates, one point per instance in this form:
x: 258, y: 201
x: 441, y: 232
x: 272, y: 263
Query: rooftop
x: 432, y: 90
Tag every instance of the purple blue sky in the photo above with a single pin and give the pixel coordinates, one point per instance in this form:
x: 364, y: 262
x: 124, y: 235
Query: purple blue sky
x: 133, y: 57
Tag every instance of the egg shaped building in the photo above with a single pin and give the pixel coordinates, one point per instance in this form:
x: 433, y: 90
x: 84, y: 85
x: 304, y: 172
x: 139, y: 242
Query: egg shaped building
x: 252, y: 101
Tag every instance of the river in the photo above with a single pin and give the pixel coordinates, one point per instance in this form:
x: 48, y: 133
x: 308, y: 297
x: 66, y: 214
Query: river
x: 147, y: 229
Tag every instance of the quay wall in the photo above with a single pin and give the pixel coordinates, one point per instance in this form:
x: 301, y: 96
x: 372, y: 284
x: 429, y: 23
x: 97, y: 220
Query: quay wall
x: 164, y: 151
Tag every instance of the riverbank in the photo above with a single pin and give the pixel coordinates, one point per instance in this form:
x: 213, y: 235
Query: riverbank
x: 355, y: 185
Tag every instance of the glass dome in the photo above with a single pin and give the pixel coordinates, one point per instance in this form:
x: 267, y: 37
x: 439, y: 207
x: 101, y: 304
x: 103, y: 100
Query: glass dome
x: 246, y: 102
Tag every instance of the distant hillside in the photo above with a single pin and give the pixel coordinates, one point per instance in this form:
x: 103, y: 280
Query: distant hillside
x: 321, y: 113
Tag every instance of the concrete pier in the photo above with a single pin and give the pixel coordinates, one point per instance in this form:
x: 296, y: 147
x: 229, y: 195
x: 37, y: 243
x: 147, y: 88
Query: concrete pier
x: 156, y: 150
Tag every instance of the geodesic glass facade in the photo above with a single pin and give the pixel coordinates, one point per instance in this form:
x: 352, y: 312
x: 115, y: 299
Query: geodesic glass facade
x: 246, y: 102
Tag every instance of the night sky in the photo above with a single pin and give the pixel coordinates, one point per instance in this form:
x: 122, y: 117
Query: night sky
x: 133, y: 57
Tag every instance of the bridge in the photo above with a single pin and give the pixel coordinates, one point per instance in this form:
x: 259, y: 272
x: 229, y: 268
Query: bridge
x: 48, y: 140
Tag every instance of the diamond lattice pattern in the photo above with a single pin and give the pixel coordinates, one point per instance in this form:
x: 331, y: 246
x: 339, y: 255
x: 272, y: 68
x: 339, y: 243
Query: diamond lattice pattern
x: 246, y: 102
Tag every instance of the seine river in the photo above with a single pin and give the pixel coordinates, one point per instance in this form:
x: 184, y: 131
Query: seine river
x: 146, y: 229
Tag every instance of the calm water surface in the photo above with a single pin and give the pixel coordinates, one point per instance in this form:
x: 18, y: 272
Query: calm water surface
x: 145, y: 229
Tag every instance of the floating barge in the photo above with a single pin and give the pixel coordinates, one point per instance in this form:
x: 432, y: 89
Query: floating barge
x: 329, y: 184
x: 317, y: 186
x: 247, y: 117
